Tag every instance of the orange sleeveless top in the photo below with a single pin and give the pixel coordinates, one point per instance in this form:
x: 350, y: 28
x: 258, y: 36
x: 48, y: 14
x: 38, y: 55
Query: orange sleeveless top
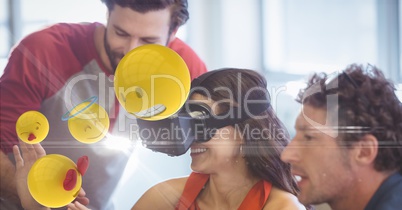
x: 254, y: 200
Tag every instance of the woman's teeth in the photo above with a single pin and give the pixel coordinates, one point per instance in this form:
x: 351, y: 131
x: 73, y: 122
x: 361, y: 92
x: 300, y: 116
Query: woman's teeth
x: 198, y: 150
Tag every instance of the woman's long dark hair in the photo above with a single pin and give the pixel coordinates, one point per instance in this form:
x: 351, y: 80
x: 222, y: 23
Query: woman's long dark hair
x: 261, y: 151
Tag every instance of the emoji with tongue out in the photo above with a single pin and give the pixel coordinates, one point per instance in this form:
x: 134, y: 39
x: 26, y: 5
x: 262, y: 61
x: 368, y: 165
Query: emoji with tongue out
x: 32, y: 127
x: 55, y: 180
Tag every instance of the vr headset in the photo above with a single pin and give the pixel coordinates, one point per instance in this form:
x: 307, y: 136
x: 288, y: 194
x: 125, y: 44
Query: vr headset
x: 194, y: 122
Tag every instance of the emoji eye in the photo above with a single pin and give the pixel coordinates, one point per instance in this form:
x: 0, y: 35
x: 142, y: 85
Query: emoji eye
x: 37, y: 128
x: 88, y: 127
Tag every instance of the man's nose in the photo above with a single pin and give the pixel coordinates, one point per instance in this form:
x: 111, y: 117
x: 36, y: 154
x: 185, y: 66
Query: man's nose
x: 290, y: 154
x: 133, y: 43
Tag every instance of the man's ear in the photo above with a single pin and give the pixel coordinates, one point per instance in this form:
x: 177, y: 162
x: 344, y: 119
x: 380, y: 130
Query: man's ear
x: 366, y: 150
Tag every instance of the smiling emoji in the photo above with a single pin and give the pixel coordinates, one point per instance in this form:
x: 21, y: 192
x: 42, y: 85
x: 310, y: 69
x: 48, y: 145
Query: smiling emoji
x: 152, y: 82
x: 88, y: 122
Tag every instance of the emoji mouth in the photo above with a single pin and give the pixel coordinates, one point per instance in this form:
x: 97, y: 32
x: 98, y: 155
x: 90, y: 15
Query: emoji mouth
x: 97, y: 136
x: 70, y: 180
x: 150, y: 112
x: 98, y: 126
x: 30, y: 137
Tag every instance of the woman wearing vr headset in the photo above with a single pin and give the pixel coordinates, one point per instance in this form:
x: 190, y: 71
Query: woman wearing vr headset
x: 236, y: 152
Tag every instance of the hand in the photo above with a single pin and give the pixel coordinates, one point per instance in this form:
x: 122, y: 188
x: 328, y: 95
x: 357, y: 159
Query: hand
x: 30, y: 153
x: 76, y: 206
x: 81, y: 197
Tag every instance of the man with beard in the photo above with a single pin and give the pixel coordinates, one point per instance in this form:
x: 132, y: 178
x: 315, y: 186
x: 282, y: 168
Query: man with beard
x: 347, y: 150
x: 64, y: 64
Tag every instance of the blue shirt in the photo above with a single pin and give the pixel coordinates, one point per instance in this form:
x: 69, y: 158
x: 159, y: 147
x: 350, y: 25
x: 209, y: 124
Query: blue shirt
x: 388, y: 196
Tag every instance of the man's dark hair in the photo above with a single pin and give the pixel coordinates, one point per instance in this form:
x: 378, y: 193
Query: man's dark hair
x: 178, y: 8
x: 366, y: 102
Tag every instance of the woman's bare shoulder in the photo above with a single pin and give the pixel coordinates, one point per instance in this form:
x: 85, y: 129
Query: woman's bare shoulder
x: 163, y: 195
x: 280, y: 199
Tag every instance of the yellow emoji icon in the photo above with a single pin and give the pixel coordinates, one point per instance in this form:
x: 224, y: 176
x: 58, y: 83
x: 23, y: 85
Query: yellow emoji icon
x: 152, y: 82
x: 55, y: 180
x: 88, y: 122
x: 32, y: 127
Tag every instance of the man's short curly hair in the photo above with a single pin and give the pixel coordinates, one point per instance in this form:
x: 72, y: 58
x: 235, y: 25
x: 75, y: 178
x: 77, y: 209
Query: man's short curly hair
x: 365, y: 99
x: 179, y: 12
